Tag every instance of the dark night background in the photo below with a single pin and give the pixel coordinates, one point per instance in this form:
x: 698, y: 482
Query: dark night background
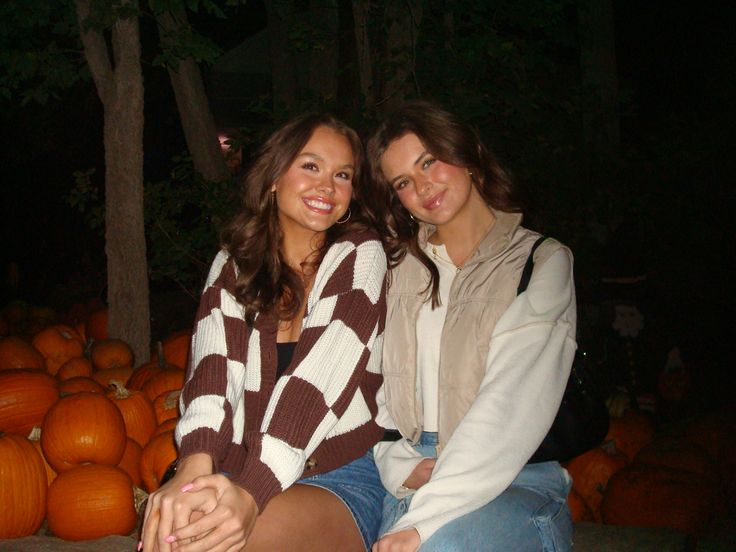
x: 676, y: 64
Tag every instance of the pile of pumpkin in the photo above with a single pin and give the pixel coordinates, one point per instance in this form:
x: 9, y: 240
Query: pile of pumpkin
x: 677, y: 477
x: 83, y: 435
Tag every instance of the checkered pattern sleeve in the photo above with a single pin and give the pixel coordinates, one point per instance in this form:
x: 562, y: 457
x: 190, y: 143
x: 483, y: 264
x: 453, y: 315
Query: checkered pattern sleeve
x: 216, y: 375
x: 318, y: 396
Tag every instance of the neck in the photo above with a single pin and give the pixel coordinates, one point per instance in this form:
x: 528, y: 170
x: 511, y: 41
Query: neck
x: 300, y: 247
x: 465, y: 231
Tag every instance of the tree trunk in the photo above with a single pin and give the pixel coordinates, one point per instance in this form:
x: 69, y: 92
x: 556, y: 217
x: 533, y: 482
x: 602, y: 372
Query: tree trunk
x: 283, y: 68
x: 402, y: 21
x: 194, y: 108
x: 361, y: 12
x: 120, y: 88
x: 599, y: 80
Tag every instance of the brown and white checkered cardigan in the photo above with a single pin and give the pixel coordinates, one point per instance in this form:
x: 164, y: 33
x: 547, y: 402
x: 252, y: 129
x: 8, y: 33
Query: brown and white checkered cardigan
x: 320, y: 414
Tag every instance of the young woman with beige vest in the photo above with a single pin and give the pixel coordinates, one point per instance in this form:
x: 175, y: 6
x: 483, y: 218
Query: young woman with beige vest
x: 473, y: 373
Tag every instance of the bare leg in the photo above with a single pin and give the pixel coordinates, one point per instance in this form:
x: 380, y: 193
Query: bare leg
x: 305, y: 518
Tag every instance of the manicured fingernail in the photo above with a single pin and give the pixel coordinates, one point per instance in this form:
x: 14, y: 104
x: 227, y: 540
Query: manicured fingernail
x: 140, y: 546
x: 170, y: 539
x: 187, y: 487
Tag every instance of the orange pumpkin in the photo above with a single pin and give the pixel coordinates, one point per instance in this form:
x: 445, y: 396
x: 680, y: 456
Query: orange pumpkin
x: 168, y: 425
x: 90, y: 502
x: 18, y: 353
x: 157, y: 456
x: 176, y: 348
x: 142, y: 374
x: 166, y: 405
x: 138, y: 412
x: 111, y: 353
x: 96, y: 325
x: 591, y: 471
x: 169, y: 379
x: 80, y: 384
x: 83, y: 427
x: 131, y: 461
x: 630, y: 432
x: 23, y: 487
x: 25, y: 397
x: 579, y: 510
x: 35, y: 439
x: 58, y: 343
x: 651, y: 496
x: 679, y: 454
x: 75, y: 367
x: 104, y: 377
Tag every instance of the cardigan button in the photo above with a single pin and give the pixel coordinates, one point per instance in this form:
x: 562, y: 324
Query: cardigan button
x: 310, y: 464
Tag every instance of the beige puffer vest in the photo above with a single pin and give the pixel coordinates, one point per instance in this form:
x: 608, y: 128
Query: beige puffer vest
x: 481, y: 292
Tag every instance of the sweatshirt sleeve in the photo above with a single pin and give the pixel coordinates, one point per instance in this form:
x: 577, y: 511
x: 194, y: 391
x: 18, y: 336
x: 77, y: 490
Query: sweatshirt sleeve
x: 345, y: 318
x: 527, y: 367
x: 214, y: 386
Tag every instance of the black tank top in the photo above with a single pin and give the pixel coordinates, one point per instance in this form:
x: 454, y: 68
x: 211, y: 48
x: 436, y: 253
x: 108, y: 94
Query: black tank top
x: 284, y: 354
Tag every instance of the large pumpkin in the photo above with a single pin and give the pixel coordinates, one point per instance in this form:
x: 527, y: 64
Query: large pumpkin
x: 58, y: 343
x: 131, y: 461
x: 111, y: 353
x: 591, y: 471
x: 25, y: 397
x: 677, y: 453
x: 651, y: 496
x: 157, y: 455
x: 80, y: 384
x: 138, y: 412
x: 83, y: 427
x: 18, y: 353
x: 91, y: 502
x: 23, y: 487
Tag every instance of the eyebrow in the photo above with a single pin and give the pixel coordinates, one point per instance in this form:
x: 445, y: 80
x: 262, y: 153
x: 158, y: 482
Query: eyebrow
x: 320, y: 158
x: 418, y: 159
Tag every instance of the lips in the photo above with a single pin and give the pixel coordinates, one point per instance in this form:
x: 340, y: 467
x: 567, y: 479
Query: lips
x: 434, y: 202
x: 318, y: 205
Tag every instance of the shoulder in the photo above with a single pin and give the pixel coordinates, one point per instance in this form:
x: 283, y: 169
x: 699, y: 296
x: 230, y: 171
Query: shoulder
x: 548, y: 248
x: 223, y: 270
x: 365, y: 243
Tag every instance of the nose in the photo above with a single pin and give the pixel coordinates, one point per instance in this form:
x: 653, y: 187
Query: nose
x: 423, y: 185
x: 326, y: 185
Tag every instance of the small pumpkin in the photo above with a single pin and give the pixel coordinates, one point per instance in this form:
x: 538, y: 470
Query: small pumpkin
x: 631, y: 431
x: 83, y: 427
x: 166, y: 405
x: 90, y: 502
x: 111, y: 353
x: 17, y: 353
x: 23, y: 487
x: 35, y: 439
x: 579, y: 510
x: 25, y: 397
x: 169, y: 379
x: 75, y: 367
x: 176, y: 348
x: 104, y: 377
x: 168, y: 425
x: 157, y: 456
x: 80, y: 384
x: 138, y: 412
x: 131, y: 461
x: 58, y: 343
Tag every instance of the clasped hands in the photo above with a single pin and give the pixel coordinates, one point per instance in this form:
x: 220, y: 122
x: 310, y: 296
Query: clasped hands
x: 197, y: 511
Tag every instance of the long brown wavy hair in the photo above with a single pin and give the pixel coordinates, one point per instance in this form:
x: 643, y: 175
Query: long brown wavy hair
x: 253, y: 236
x: 449, y: 140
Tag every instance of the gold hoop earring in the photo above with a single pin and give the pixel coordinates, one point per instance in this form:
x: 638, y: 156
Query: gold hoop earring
x: 346, y: 218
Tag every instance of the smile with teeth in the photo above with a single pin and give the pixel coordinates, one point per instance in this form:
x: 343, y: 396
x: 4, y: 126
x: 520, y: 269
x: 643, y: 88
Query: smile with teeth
x: 318, y: 205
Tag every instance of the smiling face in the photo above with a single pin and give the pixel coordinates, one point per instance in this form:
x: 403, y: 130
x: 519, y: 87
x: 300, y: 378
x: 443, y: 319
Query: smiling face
x: 316, y: 189
x: 431, y: 190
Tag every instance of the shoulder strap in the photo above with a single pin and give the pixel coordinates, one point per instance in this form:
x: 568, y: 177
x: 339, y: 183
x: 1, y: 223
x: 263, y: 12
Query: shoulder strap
x: 526, y: 274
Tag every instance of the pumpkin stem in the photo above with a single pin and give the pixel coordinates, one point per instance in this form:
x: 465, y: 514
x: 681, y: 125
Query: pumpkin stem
x: 172, y: 398
x: 119, y: 387
x: 160, y: 354
x: 35, y: 434
x: 88, y: 348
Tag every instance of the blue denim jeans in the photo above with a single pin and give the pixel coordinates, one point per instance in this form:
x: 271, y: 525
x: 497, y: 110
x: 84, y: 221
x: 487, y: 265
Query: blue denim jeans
x: 531, y: 515
x: 359, y: 487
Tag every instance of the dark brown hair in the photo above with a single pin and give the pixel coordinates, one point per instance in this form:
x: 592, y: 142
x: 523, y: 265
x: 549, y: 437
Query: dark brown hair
x: 450, y: 141
x: 253, y: 237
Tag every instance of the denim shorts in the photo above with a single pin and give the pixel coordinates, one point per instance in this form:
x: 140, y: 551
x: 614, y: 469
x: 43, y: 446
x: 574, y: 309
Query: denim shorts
x: 359, y: 486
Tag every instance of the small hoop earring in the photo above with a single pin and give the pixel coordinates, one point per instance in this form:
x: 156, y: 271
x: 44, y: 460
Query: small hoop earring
x: 346, y: 218
x: 412, y: 217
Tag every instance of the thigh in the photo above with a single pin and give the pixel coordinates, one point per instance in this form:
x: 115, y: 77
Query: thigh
x: 305, y: 518
x: 519, y: 519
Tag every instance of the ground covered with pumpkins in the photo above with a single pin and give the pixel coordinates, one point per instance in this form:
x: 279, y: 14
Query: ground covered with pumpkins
x: 86, y: 433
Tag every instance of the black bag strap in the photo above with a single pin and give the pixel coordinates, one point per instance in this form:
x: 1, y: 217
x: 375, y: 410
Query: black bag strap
x: 526, y: 274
